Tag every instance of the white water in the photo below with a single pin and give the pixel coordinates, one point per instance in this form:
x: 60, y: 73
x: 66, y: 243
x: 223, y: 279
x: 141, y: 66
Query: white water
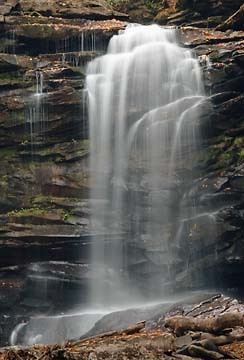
x: 84, y: 42
x: 143, y: 111
x: 36, y: 112
x: 39, y: 82
x: 75, y: 50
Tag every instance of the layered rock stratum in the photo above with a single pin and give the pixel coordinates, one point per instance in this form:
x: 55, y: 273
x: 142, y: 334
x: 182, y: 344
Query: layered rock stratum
x: 44, y: 148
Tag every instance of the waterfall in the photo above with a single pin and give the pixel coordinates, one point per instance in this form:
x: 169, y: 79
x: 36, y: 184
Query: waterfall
x: 39, y: 82
x: 36, y: 113
x: 10, y: 46
x: 144, y: 97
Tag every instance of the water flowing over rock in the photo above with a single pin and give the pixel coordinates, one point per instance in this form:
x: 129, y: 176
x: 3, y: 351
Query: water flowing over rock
x: 144, y: 98
x: 44, y: 175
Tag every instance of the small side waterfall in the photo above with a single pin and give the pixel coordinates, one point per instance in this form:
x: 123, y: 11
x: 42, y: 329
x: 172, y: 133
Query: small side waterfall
x: 83, y: 42
x: 36, y: 113
x: 39, y: 82
x: 144, y: 97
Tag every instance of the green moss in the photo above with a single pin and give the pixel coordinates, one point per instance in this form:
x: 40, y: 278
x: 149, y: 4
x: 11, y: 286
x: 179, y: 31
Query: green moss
x: 66, y: 216
x: 153, y: 5
x: 45, y: 152
x: 7, y: 152
x: 241, y: 155
x: 49, y: 201
x: 35, y: 210
x: 40, y: 200
x: 225, y: 156
x: 19, y: 116
x: 227, y: 140
x: 14, y: 79
x: 226, y: 151
x: 10, y: 76
x: 239, y: 141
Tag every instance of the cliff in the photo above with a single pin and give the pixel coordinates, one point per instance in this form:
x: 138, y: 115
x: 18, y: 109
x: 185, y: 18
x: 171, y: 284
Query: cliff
x: 44, y: 177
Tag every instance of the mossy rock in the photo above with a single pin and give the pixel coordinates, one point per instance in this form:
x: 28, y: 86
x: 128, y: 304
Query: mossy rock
x: 35, y: 210
x: 51, y: 201
x: 7, y: 152
x: 226, y: 152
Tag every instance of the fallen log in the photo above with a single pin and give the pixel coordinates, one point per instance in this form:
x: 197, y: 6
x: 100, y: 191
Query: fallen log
x: 134, y: 328
x: 182, y: 324
x: 199, y: 351
x: 234, y: 22
x: 141, y: 346
x: 206, y: 344
x: 218, y: 340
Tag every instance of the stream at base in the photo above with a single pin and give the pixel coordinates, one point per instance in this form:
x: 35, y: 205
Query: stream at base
x: 73, y: 326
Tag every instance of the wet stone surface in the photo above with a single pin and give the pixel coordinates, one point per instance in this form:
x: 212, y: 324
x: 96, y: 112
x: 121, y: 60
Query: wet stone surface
x: 44, y: 160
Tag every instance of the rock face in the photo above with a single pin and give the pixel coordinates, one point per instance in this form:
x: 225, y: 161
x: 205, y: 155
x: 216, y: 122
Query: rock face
x: 96, y: 9
x: 218, y: 233
x: 203, y: 13
x: 44, y: 215
x: 44, y: 144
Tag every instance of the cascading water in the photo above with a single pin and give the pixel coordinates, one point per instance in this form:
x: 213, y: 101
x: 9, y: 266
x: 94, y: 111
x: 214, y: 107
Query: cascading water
x: 144, y: 96
x: 36, y: 112
x: 73, y: 49
x: 84, y: 41
x: 39, y: 83
x: 10, y: 46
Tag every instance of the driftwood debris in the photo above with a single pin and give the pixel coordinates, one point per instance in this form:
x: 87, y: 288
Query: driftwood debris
x: 234, y: 22
x: 135, y: 328
x: 207, y: 335
x: 218, y: 336
x: 199, y: 351
x: 218, y: 340
x: 182, y: 324
x: 132, y: 342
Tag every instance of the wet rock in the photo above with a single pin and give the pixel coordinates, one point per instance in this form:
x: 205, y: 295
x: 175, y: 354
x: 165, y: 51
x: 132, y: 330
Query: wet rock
x: 223, y: 96
x: 57, y: 35
x: 234, y: 22
x: 44, y: 176
x: 195, y: 37
x: 55, y: 330
x: 98, y: 9
x: 198, y: 13
x: 178, y: 18
x: 145, y: 339
x: 9, y: 5
x: 215, y: 7
x: 9, y: 62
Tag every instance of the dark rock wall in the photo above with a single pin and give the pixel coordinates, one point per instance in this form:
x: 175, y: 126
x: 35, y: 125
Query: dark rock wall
x: 223, y: 161
x: 44, y: 207
x: 206, y: 13
x: 44, y: 210
x: 214, y: 242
